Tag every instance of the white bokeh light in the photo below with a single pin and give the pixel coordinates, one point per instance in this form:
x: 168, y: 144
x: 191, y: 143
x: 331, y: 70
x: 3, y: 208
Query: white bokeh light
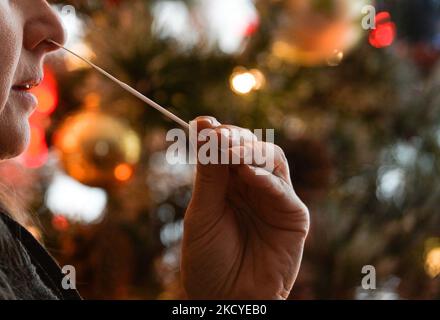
x: 67, y: 197
x: 73, y: 25
x: 243, y: 83
x: 172, y: 19
x: 227, y: 21
x: 222, y: 23
x: 391, y: 183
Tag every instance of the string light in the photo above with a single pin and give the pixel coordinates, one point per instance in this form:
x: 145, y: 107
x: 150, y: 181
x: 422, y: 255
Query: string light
x: 245, y: 81
x: 260, y: 79
x: 123, y: 172
x: 335, y: 59
x: 432, y: 262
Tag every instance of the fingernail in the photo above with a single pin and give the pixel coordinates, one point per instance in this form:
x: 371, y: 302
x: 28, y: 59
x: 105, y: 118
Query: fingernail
x: 213, y: 121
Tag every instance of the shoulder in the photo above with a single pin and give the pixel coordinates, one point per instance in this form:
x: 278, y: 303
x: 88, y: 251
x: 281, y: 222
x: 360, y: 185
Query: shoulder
x: 7, y: 241
x: 25, y: 256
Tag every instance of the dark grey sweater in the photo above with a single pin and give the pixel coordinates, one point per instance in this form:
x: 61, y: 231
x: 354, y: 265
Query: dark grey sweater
x: 27, y: 271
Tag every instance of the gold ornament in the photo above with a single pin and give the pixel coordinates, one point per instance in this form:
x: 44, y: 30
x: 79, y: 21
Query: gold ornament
x: 97, y: 149
x: 318, y: 32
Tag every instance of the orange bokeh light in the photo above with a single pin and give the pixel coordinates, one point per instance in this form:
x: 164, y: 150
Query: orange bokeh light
x: 123, y: 172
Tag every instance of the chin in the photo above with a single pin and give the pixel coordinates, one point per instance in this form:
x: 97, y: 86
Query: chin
x: 14, y: 139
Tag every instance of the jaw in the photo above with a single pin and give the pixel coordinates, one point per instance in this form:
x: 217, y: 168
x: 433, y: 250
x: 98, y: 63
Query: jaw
x: 14, y: 132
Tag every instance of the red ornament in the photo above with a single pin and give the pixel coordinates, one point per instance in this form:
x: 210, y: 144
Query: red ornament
x: 60, y: 223
x: 251, y: 28
x: 385, y: 32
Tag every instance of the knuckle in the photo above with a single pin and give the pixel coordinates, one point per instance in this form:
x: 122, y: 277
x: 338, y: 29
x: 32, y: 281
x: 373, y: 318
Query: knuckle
x: 280, y: 152
x: 306, y: 215
x: 249, y: 134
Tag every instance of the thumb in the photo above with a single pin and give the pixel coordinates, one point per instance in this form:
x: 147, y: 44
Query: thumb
x: 211, y: 180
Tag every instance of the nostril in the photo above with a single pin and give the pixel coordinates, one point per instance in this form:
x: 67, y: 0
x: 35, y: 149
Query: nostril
x: 57, y: 39
x: 52, y: 45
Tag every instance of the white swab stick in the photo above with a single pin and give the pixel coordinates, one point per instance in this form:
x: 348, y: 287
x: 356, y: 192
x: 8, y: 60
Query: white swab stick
x: 126, y: 87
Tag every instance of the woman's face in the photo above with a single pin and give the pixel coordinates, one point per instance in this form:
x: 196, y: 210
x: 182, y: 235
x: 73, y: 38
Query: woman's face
x: 25, y: 25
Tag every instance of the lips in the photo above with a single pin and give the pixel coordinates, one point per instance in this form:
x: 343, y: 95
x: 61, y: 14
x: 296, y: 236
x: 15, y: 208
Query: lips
x: 22, y: 92
x: 26, y: 85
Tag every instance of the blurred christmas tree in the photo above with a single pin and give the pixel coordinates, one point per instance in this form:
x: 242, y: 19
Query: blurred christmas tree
x: 356, y: 113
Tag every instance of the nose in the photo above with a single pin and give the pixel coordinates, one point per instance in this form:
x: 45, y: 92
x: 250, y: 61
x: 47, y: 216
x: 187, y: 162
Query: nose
x: 41, y: 25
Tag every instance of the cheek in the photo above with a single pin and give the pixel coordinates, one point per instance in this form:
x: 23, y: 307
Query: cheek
x: 14, y: 127
x: 11, y: 42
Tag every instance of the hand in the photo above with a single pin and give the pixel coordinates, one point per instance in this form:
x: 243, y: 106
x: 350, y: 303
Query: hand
x: 244, y: 233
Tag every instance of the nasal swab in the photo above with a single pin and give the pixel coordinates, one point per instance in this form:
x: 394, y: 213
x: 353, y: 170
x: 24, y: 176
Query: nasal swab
x: 126, y: 87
